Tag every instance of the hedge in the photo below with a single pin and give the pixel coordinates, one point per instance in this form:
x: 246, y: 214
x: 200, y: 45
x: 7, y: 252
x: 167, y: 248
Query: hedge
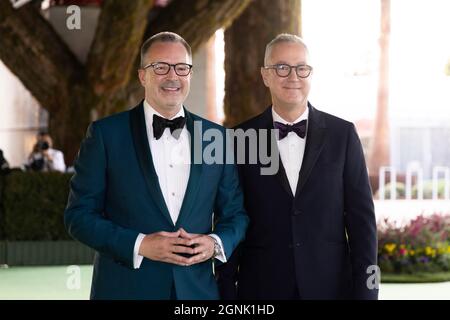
x: 32, y: 206
x: 1, y: 206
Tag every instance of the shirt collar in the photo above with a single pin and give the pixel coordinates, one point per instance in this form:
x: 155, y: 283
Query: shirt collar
x: 278, y: 118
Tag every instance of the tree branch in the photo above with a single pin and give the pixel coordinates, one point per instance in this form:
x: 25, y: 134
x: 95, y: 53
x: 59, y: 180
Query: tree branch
x: 196, y: 20
x: 118, y: 38
x: 33, y: 51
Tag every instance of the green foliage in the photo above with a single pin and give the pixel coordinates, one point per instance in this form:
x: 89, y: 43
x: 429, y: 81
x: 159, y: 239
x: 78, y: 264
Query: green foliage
x: 419, y: 277
x: 427, y: 190
x: 447, y: 68
x: 399, y: 189
x: 32, y: 206
x: 1, y: 207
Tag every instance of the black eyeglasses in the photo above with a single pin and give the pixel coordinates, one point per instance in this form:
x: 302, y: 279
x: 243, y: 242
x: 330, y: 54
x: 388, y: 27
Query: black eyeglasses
x: 163, y: 68
x: 284, y: 70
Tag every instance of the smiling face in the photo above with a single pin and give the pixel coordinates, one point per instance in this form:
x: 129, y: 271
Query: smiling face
x: 166, y: 93
x: 290, y: 93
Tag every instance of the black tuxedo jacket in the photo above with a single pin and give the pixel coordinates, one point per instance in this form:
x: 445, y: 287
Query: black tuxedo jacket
x: 318, y: 243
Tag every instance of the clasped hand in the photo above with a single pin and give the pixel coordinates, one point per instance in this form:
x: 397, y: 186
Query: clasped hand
x: 167, y: 247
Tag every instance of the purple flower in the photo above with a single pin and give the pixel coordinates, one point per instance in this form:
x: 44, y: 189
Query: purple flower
x: 424, y: 259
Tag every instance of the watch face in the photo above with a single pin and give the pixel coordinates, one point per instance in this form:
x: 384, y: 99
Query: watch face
x: 216, y: 249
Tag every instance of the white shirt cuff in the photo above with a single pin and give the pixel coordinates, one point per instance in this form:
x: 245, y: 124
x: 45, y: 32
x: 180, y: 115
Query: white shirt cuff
x: 137, y: 258
x: 221, y: 257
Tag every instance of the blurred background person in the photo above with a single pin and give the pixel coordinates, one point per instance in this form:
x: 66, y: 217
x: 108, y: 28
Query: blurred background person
x: 44, y: 157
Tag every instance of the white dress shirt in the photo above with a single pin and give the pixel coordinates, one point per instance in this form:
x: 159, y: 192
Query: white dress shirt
x: 172, y: 160
x: 292, y: 149
x: 58, y: 163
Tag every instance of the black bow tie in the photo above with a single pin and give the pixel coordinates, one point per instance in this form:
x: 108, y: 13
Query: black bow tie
x: 299, y: 128
x: 160, y: 124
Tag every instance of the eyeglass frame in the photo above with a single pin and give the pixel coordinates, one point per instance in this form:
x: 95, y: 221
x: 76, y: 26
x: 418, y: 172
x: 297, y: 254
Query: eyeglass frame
x: 274, y: 66
x: 170, y: 66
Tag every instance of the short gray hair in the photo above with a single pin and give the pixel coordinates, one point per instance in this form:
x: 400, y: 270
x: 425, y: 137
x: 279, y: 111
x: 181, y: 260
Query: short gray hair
x: 283, y: 37
x: 165, y: 36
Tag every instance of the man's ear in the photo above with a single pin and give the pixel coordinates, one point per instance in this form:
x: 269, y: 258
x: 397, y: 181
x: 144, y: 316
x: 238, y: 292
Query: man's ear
x: 264, y: 76
x: 141, y: 75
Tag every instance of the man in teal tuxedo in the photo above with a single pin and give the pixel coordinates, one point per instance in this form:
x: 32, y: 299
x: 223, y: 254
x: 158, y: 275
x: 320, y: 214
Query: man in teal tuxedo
x: 154, y: 215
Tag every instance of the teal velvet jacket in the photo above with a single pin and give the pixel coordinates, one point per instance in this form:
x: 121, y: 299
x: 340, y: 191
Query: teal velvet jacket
x: 115, y: 195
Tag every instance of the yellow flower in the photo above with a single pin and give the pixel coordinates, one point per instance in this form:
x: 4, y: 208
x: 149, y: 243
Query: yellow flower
x: 430, y: 252
x: 448, y: 249
x: 412, y: 252
x: 390, y: 247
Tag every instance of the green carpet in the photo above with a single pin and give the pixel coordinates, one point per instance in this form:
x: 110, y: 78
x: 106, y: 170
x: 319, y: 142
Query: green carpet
x: 45, y: 283
x: 61, y: 283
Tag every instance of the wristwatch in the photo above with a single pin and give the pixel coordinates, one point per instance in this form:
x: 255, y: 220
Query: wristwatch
x: 217, y: 248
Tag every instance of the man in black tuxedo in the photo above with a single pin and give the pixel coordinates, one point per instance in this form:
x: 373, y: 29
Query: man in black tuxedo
x: 312, y: 231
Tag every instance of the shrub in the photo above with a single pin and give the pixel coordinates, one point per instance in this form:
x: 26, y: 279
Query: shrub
x: 1, y: 207
x: 33, y: 204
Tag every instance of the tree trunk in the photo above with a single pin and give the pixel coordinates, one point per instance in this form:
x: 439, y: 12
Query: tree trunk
x: 36, y: 54
x: 117, y: 41
x: 72, y: 92
x: 380, y: 144
x: 245, y: 43
x: 33, y: 51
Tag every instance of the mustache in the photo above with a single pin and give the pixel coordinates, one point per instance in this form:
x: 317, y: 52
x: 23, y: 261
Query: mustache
x: 171, y: 83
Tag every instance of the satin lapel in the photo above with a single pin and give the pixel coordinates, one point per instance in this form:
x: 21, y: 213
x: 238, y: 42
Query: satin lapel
x: 193, y: 186
x: 314, y: 143
x: 142, y: 147
x: 281, y: 173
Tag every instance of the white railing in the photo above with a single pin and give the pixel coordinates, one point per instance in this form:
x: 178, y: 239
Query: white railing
x: 410, y: 170
x: 382, y: 182
x: 446, y: 171
x: 414, y: 171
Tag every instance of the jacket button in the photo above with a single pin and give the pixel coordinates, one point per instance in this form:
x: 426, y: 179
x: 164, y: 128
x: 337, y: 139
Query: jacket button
x: 297, y: 244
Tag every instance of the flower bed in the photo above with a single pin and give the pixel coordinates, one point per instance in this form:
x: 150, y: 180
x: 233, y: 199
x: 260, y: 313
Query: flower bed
x: 423, y: 245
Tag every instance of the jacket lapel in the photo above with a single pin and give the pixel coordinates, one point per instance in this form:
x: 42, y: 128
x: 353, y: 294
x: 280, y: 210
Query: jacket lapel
x: 281, y: 173
x: 314, y: 144
x: 195, y: 169
x: 144, y: 156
